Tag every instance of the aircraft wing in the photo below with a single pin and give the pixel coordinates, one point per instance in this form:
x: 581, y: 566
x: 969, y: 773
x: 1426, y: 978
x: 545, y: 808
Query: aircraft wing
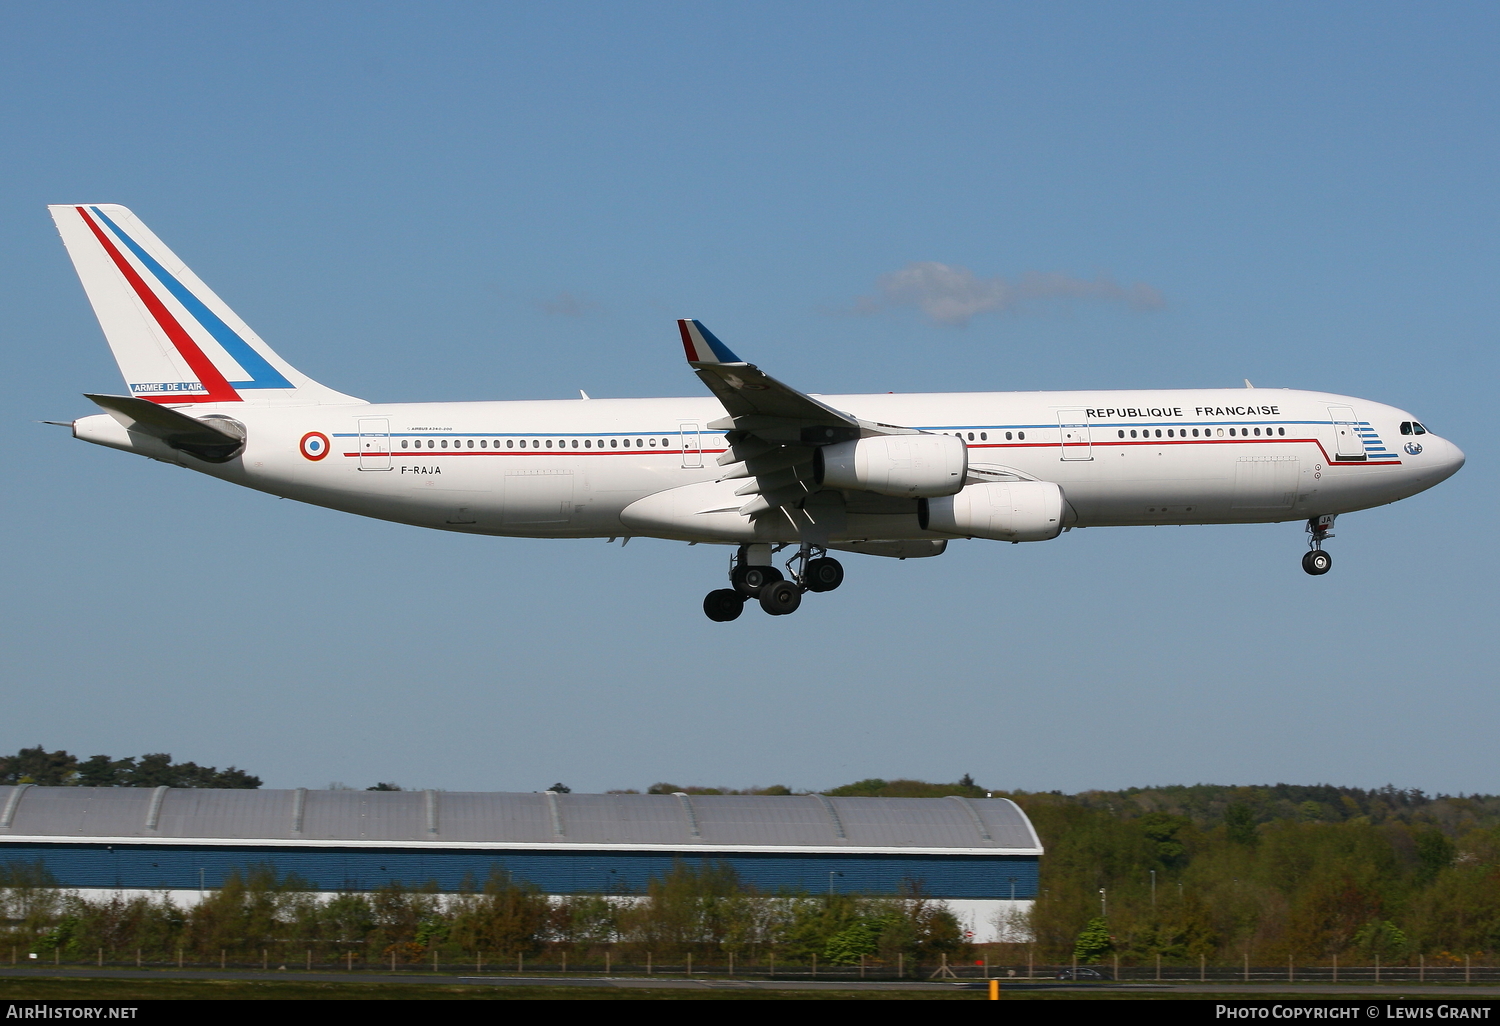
x: 772, y: 428
x: 755, y: 401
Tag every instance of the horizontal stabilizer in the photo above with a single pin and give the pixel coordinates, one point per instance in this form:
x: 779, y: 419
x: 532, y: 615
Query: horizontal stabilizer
x: 214, y: 438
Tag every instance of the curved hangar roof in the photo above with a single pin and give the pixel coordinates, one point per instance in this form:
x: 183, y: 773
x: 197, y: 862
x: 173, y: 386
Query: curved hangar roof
x: 435, y: 819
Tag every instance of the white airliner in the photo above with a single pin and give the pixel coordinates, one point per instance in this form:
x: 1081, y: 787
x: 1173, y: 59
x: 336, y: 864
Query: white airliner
x: 757, y: 465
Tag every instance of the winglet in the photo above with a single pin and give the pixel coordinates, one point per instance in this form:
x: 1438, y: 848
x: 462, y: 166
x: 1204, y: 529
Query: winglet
x: 702, y: 346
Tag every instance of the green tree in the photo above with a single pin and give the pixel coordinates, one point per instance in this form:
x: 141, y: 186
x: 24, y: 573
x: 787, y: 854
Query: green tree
x: 1164, y: 830
x: 875, y: 787
x: 1380, y: 938
x: 102, y: 771
x: 1239, y: 824
x: 60, y: 769
x: 1435, y: 853
x: 694, y: 905
x: 38, y: 766
x: 507, y: 917
x: 861, y: 938
x: 1094, y: 942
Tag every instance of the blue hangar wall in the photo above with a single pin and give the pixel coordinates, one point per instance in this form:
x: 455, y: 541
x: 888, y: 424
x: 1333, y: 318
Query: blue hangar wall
x: 336, y: 868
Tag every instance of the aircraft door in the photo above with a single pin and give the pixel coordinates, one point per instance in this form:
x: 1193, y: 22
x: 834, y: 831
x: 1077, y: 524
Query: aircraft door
x: 692, y: 446
x: 1074, y: 432
x: 538, y: 497
x: 1346, y: 437
x: 374, y: 443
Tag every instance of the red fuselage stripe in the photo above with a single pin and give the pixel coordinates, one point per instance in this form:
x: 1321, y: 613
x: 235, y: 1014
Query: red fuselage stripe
x: 1375, y: 461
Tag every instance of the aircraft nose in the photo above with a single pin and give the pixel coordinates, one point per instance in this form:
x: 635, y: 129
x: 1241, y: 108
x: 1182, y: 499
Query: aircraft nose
x: 1456, y: 458
x: 1448, y: 458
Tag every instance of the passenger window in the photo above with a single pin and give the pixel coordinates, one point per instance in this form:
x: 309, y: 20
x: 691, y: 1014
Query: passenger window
x: 1021, y: 435
x: 575, y: 443
x: 1195, y: 432
x: 1122, y: 434
x: 510, y: 443
x: 1281, y: 431
x: 403, y: 443
x: 653, y: 443
x: 971, y: 436
x: 663, y: 443
x: 1007, y: 436
x: 1221, y: 432
x: 1132, y: 432
x: 984, y: 436
x: 614, y: 443
x: 471, y: 443
x: 445, y: 443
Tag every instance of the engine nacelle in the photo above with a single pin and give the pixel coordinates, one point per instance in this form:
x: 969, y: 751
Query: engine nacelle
x: 1013, y: 511
x: 907, y: 466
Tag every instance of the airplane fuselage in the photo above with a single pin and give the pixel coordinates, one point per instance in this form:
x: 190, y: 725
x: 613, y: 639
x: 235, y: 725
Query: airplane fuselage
x: 572, y: 468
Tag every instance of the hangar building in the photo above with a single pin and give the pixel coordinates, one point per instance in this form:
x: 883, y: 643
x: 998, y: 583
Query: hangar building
x: 979, y: 855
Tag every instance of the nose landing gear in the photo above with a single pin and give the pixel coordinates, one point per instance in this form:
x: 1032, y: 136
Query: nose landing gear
x: 1316, y: 561
x: 753, y: 577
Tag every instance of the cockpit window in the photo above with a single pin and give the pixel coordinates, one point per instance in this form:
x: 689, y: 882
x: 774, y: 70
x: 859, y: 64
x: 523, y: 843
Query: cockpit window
x: 1406, y: 427
x: 1417, y: 429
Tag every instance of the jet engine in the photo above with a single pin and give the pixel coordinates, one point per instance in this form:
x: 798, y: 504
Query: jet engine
x: 906, y: 466
x: 1013, y: 511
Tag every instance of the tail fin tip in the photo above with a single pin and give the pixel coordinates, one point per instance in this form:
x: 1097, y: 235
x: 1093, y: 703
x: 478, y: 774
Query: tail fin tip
x: 174, y: 339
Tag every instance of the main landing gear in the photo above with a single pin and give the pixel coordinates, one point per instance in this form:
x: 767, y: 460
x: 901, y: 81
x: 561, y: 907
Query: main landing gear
x: 1316, y: 561
x: 753, y: 577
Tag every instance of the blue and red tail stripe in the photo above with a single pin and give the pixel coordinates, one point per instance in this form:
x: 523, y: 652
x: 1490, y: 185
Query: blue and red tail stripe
x: 701, y: 345
x: 216, y: 389
x: 262, y: 374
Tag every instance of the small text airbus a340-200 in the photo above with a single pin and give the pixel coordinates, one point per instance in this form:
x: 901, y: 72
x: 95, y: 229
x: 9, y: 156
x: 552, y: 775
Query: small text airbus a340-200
x: 756, y: 464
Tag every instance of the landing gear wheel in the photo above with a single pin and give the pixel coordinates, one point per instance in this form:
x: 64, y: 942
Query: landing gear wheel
x: 823, y: 574
x: 724, y: 605
x: 780, y: 598
x: 748, y: 580
x: 1317, y: 562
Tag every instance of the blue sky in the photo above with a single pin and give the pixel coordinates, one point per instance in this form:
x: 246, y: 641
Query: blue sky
x: 497, y: 201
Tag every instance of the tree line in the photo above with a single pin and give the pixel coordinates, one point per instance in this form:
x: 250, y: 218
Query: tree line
x: 701, y: 910
x: 1275, y: 873
x: 62, y: 769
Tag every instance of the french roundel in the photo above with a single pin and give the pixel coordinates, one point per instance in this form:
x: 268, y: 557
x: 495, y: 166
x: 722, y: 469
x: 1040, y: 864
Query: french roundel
x: 314, y: 445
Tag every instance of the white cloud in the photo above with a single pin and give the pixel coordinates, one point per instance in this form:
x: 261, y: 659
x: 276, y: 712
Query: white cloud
x: 952, y: 295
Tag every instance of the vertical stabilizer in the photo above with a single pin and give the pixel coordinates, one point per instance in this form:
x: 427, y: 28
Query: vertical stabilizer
x: 174, y: 339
